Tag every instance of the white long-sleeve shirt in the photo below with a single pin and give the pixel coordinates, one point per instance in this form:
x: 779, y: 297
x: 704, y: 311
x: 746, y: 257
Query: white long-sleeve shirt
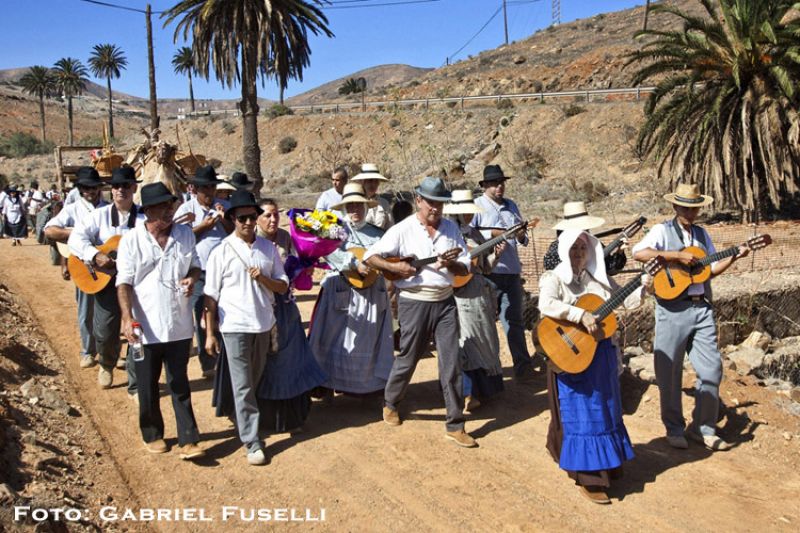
x: 69, y: 216
x: 97, y: 228
x: 243, y: 304
x: 159, y: 303
x: 557, y: 298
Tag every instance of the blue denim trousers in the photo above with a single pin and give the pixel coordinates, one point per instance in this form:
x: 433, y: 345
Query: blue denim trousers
x: 508, y: 289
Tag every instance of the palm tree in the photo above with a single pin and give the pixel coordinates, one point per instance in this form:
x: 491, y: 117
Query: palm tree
x: 39, y: 82
x: 106, y: 62
x: 242, y: 39
x: 183, y: 63
x: 724, y: 113
x: 71, y: 77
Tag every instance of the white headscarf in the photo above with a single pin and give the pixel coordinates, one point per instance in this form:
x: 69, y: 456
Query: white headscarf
x: 595, y: 264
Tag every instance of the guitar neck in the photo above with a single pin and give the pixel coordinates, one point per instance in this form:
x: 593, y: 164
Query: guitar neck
x: 713, y: 258
x: 491, y: 243
x: 627, y: 232
x: 617, y: 298
x: 418, y: 263
x: 613, y: 245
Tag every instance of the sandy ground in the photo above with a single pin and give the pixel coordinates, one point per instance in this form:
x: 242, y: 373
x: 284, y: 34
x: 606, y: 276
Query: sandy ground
x: 368, y: 476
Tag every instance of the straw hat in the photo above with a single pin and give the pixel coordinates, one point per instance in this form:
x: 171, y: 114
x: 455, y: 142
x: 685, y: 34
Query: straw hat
x: 369, y: 172
x: 688, y: 195
x: 353, y: 193
x: 225, y: 186
x: 576, y: 217
x: 462, y: 203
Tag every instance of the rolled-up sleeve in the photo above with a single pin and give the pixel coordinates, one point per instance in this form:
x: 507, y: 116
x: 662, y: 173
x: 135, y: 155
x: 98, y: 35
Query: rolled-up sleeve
x: 213, y: 283
x: 278, y: 273
x: 388, y: 245
x: 654, y: 239
x: 64, y: 219
x: 550, y: 303
x: 126, y: 260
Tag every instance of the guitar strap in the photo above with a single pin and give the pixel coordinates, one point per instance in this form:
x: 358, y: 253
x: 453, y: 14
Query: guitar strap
x: 131, y: 216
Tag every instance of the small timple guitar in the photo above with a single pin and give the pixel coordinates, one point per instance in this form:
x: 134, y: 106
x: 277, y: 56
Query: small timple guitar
x: 91, y: 279
x: 354, y: 278
x: 676, y: 278
x: 570, y: 346
x: 488, y: 246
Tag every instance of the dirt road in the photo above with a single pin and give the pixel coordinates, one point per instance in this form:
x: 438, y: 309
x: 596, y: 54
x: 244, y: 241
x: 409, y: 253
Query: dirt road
x: 370, y: 476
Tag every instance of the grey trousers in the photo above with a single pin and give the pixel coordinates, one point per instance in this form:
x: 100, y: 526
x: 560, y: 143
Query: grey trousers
x: 107, y: 321
x: 247, y: 357
x: 86, y: 322
x: 419, y: 321
x: 687, y: 327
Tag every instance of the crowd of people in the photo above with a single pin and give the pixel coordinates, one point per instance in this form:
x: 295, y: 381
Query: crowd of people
x: 205, y: 274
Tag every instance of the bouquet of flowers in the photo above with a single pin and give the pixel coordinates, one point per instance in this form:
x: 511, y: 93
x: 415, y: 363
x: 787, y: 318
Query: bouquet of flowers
x: 315, y: 234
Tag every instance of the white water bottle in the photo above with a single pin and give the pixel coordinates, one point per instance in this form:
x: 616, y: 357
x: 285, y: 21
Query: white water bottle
x: 136, y: 347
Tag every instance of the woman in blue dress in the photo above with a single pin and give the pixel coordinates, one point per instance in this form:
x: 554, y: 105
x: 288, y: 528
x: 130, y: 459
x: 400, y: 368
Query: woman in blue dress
x: 587, y: 436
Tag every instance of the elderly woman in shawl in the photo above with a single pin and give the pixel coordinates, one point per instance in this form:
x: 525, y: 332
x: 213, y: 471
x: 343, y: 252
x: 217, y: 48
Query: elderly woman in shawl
x: 586, y: 435
x: 351, y: 332
x: 478, y: 344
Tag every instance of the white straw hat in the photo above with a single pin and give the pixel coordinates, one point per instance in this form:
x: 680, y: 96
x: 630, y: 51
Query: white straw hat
x: 461, y: 203
x: 688, y: 195
x: 369, y: 172
x: 576, y: 217
x: 353, y: 193
x: 225, y: 187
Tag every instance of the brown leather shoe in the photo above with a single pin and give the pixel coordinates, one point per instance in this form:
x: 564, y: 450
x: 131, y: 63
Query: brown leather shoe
x: 471, y: 403
x: 595, y: 495
x: 391, y: 417
x: 461, y: 438
x: 157, y: 446
x: 191, y: 451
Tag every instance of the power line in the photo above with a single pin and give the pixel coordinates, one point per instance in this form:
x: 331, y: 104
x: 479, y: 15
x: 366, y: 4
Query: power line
x: 361, y: 6
x: 116, y: 6
x: 454, y: 54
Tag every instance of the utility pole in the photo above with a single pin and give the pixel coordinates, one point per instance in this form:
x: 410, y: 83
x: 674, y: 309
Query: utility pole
x: 152, y: 71
x: 556, y: 12
x: 505, y: 20
x: 646, y: 13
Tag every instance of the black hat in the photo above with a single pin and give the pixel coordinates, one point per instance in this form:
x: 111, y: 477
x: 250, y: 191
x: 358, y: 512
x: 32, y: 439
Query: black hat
x: 156, y: 193
x: 205, y: 176
x: 492, y: 173
x: 241, y: 181
x: 12, y: 188
x: 242, y: 198
x: 87, y: 177
x: 123, y: 176
x: 433, y: 189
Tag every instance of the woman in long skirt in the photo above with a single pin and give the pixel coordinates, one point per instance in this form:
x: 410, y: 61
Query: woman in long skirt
x: 14, y: 227
x: 587, y: 436
x: 291, y: 373
x: 351, y: 335
x: 478, y: 343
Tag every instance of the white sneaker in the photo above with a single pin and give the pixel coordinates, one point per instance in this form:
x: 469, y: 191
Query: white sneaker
x: 87, y: 361
x: 257, y: 457
x: 105, y: 378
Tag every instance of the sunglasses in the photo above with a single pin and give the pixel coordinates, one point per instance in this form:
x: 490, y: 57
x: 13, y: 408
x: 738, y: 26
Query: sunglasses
x: 251, y: 217
x: 121, y: 186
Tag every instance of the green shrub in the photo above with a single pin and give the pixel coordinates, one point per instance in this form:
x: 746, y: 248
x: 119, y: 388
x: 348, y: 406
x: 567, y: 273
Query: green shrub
x: 287, y: 144
x: 572, y: 110
x: 228, y: 127
x: 393, y: 123
x: 200, y: 134
x: 504, y: 103
x: 23, y: 144
x: 278, y: 110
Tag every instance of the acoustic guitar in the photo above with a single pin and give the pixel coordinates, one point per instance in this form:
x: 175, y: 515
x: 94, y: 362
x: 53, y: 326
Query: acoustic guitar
x: 89, y: 278
x: 358, y: 281
x: 627, y: 232
x: 487, y: 247
x: 570, y: 346
x: 676, y: 278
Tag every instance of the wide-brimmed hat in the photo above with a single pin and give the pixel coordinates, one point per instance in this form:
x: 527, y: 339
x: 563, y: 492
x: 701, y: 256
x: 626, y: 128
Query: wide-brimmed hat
x: 12, y: 188
x: 87, y: 177
x: 205, y: 175
x: 241, y: 198
x: 369, y: 172
x: 462, y: 203
x: 123, y: 176
x: 225, y: 186
x: 353, y: 194
x: 241, y: 181
x: 576, y: 217
x: 493, y: 173
x: 434, y: 189
x: 156, y: 193
x: 688, y: 195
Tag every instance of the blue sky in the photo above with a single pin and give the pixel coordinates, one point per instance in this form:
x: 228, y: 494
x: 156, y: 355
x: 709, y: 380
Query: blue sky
x: 421, y: 34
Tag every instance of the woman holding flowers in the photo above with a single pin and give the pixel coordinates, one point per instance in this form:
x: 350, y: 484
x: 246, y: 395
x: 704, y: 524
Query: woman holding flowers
x: 351, y: 335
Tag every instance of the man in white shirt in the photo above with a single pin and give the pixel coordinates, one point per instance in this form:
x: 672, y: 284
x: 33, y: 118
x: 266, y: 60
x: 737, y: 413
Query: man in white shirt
x: 34, y: 201
x: 157, y: 270
x: 369, y: 178
x: 686, y: 323
x: 117, y: 218
x: 59, y: 229
x: 205, y: 214
x: 241, y: 276
x: 333, y: 195
x: 426, y: 306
